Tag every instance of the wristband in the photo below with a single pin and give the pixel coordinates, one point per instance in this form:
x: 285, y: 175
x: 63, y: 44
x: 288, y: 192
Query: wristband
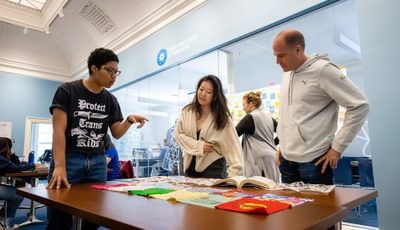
x: 130, y: 122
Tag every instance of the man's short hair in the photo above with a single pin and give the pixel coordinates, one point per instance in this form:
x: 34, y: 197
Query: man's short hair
x: 293, y: 38
x: 101, y: 56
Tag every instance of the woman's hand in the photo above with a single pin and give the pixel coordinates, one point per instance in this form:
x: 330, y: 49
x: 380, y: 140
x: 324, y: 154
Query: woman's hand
x: 208, y: 147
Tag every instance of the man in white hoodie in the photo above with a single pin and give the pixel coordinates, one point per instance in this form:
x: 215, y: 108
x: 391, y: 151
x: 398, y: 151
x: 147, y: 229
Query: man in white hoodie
x: 312, y: 90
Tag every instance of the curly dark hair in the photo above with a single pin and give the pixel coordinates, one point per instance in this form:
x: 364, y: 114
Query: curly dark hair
x: 99, y: 57
x: 219, y: 107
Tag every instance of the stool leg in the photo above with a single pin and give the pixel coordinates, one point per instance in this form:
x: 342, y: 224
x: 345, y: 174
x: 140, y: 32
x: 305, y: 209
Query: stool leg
x: 5, y: 215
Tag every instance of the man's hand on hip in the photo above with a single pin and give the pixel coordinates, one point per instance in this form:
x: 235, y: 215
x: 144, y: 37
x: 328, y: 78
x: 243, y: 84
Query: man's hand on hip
x: 330, y: 158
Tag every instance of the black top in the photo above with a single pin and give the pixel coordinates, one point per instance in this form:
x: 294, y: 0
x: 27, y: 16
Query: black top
x: 108, y: 143
x: 89, y: 116
x: 13, y: 165
x: 246, y: 126
x: 198, y: 133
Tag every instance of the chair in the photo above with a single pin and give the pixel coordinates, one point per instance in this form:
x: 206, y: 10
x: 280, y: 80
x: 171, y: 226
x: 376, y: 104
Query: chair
x: 159, y: 168
x: 342, y: 174
x: 126, y: 169
x: 46, y: 157
x: 366, y: 181
x: 7, y: 192
x: 366, y: 172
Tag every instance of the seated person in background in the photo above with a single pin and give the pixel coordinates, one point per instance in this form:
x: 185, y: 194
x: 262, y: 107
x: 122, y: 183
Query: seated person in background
x: 10, y: 163
x: 174, y: 154
x: 170, y: 140
x: 112, y: 159
x: 258, y: 142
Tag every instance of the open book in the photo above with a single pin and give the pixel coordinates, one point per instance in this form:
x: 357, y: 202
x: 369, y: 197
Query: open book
x: 265, y: 183
x: 241, y: 181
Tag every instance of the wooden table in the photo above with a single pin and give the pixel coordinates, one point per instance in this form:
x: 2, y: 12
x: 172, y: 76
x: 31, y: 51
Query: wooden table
x: 122, y: 211
x: 33, y: 177
x: 340, y: 197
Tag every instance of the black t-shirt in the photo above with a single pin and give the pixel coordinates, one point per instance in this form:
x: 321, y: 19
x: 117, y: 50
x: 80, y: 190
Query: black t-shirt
x: 89, y: 116
x: 246, y: 125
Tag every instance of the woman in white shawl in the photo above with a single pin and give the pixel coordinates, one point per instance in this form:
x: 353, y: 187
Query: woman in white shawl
x: 207, y: 135
x: 258, y: 141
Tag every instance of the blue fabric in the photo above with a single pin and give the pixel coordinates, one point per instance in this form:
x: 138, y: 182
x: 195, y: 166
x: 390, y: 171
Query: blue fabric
x: 81, y: 168
x: 113, y: 165
x: 306, y: 172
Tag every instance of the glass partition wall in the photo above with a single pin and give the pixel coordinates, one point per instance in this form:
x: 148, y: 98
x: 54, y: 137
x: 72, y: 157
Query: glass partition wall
x: 243, y: 66
x: 160, y: 98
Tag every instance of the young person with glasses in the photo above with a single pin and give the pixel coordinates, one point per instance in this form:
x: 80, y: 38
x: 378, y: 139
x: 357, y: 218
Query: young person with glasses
x: 83, y: 111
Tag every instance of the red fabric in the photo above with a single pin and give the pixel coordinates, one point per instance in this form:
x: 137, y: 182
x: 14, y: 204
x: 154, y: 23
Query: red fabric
x: 126, y: 169
x: 107, y: 186
x: 250, y: 205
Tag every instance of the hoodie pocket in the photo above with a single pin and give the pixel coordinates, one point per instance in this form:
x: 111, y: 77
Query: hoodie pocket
x: 295, y: 141
x: 300, y: 134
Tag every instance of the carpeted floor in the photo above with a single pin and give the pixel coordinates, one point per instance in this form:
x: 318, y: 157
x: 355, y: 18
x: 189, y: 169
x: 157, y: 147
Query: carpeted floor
x: 22, y: 215
x: 364, y: 215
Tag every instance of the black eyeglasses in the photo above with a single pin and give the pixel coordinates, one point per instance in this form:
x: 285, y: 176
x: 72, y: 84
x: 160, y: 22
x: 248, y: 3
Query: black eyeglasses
x: 112, y: 71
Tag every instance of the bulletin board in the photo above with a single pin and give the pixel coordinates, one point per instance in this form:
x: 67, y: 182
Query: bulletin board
x: 270, y: 96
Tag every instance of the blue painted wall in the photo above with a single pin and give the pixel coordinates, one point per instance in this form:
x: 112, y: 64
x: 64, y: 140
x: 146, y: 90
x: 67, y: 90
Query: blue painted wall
x: 379, y: 36
x: 20, y: 97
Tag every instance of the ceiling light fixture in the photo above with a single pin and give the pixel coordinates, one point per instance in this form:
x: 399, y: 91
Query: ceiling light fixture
x: 348, y: 44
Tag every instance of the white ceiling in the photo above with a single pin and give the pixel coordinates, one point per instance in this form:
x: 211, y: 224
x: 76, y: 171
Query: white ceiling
x: 61, y: 54
x: 15, y: 12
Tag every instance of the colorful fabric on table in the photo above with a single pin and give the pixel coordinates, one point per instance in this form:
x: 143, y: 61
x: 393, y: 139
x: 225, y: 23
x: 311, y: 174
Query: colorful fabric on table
x: 150, y: 191
x: 209, y: 202
x: 179, y: 195
x: 107, y: 186
x: 250, y: 205
x: 292, y: 200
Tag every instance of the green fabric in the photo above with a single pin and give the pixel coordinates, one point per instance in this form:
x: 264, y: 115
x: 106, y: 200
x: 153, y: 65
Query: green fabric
x: 150, y: 191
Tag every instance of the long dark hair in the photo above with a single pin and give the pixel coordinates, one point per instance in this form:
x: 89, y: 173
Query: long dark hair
x: 5, y: 147
x: 219, y: 107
